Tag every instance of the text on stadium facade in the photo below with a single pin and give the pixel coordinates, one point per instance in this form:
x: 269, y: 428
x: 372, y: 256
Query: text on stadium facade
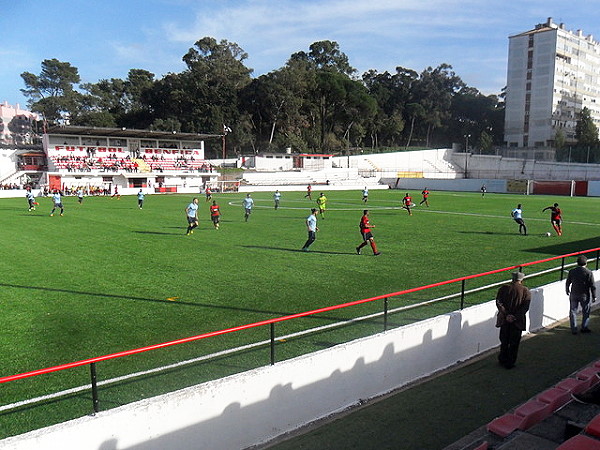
x: 150, y: 151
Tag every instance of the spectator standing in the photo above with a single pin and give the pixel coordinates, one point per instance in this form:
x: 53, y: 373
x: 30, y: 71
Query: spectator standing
x: 512, y: 301
x: 581, y: 289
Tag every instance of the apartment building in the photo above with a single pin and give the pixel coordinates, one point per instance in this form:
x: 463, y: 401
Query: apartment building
x: 553, y: 73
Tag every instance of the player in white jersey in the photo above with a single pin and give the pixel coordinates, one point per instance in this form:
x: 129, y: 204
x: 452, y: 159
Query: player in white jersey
x: 57, y: 199
x: 517, y: 215
x: 276, y: 198
x: 192, y: 216
x: 247, y: 203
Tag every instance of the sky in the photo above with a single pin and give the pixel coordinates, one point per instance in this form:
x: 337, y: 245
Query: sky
x: 105, y: 39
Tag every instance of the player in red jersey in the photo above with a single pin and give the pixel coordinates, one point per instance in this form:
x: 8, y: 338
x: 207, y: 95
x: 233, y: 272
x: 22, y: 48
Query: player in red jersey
x: 425, y: 194
x: 208, y: 193
x: 308, y: 192
x: 407, y: 203
x: 555, y: 218
x: 215, y: 214
x: 365, y: 231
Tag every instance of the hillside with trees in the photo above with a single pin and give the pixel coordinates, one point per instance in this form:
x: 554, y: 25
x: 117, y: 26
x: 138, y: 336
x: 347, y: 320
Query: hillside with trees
x: 316, y: 102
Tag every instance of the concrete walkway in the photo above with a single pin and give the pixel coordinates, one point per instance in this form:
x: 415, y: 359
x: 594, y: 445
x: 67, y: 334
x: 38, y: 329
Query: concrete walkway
x: 451, y: 410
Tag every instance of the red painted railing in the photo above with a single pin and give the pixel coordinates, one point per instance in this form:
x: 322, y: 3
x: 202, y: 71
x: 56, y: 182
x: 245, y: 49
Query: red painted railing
x: 92, y: 361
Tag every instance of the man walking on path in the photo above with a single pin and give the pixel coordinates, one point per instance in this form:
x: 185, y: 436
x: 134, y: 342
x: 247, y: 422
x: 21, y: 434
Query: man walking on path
x: 581, y: 289
x: 512, y: 301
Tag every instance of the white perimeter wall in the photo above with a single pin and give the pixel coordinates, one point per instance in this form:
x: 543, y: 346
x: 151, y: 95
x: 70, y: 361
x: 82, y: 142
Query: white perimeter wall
x: 256, y: 406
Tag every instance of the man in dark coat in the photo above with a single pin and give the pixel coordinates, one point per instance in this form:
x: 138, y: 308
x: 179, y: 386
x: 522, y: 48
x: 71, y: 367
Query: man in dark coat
x: 513, y: 301
x: 580, y: 289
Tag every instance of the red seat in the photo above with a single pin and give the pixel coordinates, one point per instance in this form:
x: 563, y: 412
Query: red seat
x: 525, y: 416
x: 589, y: 375
x: 504, y: 425
x: 580, y: 442
x: 572, y: 385
x: 593, y: 427
x: 534, y: 411
x: 555, y: 397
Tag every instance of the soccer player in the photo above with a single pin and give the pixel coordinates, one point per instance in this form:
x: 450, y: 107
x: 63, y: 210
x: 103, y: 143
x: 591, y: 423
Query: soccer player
x: 247, y: 203
x: 30, y: 200
x: 425, y: 194
x: 80, y: 196
x: 311, y: 227
x: 208, y: 193
x: 365, y: 195
x: 483, y: 190
x: 276, y: 198
x: 407, y: 203
x: 57, y: 199
x: 322, y: 204
x: 555, y: 218
x: 365, y: 231
x: 308, y: 192
x: 192, y: 216
x: 140, y: 197
x: 215, y: 214
x: 116, y: 193
x: 517, y: 214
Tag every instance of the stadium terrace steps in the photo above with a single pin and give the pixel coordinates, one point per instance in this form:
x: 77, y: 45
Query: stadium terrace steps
x: 545, y: 406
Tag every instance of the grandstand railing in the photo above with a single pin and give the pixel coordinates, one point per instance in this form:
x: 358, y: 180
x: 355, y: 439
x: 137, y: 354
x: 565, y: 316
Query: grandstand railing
x: 462, y: 293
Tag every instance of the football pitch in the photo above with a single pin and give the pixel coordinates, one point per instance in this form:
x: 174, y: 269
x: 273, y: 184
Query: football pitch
x: 108, y: 277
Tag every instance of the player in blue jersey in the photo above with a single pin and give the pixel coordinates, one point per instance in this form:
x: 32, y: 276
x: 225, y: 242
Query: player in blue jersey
x: 192, y: 216
x: 57, y: 199
x: 140, y: 198
x: 247, y: 203
x: 311, y: 227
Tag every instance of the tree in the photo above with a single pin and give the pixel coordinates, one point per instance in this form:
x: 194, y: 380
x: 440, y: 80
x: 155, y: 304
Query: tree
x: 52, y: 93
x: 326, y: 55
x: 214, y: 77
x: 586, y: 132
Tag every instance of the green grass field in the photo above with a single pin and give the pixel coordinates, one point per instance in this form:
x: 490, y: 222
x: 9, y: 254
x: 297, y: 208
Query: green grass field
x: 109, y: 277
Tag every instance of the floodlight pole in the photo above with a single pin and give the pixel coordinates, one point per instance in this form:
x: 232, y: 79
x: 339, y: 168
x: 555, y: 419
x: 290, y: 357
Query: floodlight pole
x: 224, y: 150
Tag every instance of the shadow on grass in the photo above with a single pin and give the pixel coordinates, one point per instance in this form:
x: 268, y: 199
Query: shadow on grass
x: 170, y: 302
x: 295, y: 250
x: 561, y: 248
x: 494, y: 233
x: 160, y: 232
